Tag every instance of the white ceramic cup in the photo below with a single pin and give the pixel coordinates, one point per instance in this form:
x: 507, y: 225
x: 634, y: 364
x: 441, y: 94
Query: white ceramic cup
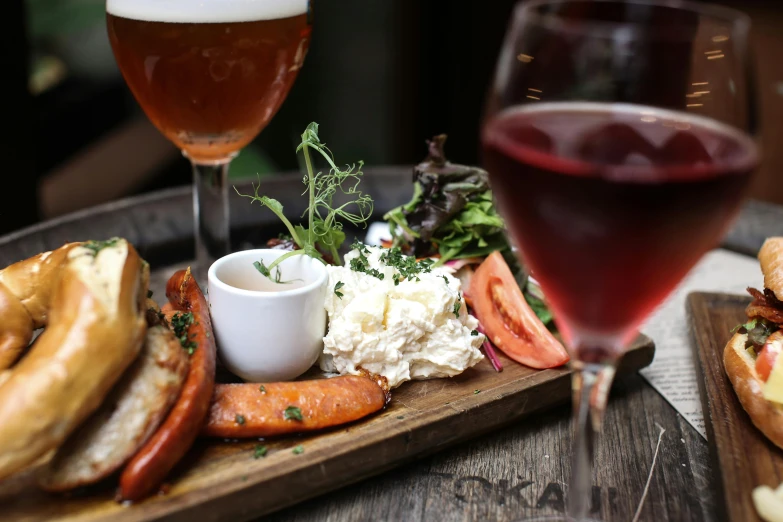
x: 267, y: 331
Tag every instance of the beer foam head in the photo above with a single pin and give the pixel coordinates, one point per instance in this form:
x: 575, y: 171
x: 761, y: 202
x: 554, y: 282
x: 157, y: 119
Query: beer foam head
x: 205, y: 11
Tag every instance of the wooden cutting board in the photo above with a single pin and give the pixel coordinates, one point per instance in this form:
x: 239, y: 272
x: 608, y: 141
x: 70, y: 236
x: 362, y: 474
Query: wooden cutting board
x: 221, y: 480
x: 742, y: 457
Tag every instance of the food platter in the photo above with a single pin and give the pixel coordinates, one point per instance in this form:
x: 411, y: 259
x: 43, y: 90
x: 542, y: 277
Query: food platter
x: 225, y: 480
x: 734, y: 439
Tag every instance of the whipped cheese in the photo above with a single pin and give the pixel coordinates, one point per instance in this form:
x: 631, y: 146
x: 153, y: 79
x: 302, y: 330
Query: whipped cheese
x: 402, y: 331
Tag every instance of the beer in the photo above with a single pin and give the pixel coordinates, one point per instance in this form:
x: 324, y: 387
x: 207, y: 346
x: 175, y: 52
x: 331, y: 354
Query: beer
x: 209, y: 74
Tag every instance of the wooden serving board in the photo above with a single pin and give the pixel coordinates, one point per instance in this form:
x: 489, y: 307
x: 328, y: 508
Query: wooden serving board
x: 221, y: 480
x: 743, y: 457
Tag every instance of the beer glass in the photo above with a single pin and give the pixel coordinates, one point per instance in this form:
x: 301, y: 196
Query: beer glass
x: 209, y: 74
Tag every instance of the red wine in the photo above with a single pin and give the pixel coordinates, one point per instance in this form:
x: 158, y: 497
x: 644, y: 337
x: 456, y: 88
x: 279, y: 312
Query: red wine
x: 611, y: 205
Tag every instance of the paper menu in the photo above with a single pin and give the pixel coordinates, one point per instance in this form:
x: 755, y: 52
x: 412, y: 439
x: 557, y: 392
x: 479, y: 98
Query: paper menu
x: 673, y: 371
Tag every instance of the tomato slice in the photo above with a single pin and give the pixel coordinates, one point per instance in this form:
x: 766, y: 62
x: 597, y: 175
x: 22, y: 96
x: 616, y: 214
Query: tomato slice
x: 510, y: 323
x: 765, y: 359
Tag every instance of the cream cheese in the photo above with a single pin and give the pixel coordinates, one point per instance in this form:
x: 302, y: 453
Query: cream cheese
x: 401, y: 331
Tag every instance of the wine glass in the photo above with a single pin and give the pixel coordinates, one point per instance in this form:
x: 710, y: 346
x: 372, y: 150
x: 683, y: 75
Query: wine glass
x: 209, y: 74
x: 616, y: 141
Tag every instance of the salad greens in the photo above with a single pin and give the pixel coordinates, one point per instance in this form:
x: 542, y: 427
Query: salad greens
x: 324, y: 231
x: 451, y: 213
x: 758, y: 330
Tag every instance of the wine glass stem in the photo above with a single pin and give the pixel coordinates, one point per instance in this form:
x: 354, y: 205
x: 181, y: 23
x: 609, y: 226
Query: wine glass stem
x: 590, y: 384
x: 210, y: 210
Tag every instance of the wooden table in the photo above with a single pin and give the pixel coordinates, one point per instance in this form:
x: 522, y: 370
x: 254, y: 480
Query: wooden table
x: 515, y: 473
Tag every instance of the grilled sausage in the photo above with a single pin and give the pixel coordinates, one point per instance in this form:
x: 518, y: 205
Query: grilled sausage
x: 148, y: 468
x: 262, y: 410
x: 127, y: 418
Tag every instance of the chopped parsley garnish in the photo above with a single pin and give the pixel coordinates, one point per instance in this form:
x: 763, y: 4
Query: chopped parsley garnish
x: 298, y: 450
x: 259, y: 451
x: 262, y: 388
x: 407, y: 266
x: 240, y: 419
x: 476, y: 392
x: 361, y: 247
x: 400, y: 417
x: 97, y: 246
x: 457, y: 305
x: 474, y: 333
x: 181, y: 323
x: 293, y: 413
x: 362, y: 263
x: 445, y: 279
x: 426, y: 264
x: 337, y: 288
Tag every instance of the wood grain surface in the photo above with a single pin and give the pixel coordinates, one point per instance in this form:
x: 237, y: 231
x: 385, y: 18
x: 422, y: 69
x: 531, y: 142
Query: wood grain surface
x: 221, y: 480
x: 521, y: 472
x: 507, y: 474
x: 743, y: 457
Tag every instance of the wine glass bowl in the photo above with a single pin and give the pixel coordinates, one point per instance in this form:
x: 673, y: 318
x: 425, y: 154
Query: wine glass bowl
x: 678, y: 55
x: 616, y: 140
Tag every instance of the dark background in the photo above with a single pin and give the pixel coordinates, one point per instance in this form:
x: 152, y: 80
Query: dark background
x: 381, y: 77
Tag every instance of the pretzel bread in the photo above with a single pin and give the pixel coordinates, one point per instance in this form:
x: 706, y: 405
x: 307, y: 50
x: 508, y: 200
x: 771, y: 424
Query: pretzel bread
x: 95, y: 330
x: 25, y: 295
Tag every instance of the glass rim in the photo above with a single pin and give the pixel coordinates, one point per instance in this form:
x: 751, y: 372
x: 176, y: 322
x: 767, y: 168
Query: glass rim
x: 527, y: 10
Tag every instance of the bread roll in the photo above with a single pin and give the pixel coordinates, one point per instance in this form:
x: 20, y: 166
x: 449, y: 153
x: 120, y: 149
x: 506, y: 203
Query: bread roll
x: 766, y: 415
x: 771, y: 260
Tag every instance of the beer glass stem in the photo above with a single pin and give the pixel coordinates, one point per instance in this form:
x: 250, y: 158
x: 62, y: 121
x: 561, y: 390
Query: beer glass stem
x: 590, y: 384
x: 210, y: 210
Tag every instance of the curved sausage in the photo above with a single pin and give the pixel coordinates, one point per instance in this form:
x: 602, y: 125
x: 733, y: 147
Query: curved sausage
x: 130, y: 414
x: 259, y: 410
x: 148, y: 468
